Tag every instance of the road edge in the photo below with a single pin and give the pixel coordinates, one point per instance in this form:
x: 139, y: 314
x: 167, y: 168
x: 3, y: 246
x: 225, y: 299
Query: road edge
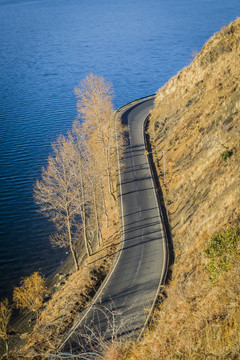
x: 82, y: 316
x: 163, y: 276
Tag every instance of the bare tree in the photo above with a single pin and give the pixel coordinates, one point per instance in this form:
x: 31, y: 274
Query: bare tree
x: 78, y: 140
x: 73, y: 185
x: 58, y: 194
x: 30, y: 294
x: 89, y: 179
x: 95, y: 107
x: 97, y: 194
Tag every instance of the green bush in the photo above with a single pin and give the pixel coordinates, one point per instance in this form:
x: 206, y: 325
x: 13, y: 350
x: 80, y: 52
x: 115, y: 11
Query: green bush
x: 223, y: 250
x: 226, y: 155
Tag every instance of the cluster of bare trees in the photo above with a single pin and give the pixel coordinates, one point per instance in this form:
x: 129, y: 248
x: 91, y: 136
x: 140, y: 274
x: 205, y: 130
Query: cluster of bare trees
x: 81, y: 173
x: 77, y: 187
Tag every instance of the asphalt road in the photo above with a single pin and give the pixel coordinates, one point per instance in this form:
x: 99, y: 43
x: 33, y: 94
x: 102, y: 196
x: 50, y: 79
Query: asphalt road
x: 124, y: 306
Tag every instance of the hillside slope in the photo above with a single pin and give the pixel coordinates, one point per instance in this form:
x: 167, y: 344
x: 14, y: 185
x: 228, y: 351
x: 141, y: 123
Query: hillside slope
x: 196, y: 121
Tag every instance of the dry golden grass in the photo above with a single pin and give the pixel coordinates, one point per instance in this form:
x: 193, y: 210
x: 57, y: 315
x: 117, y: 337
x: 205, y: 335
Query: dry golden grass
x: 197, y: 320
x: 196, y: 119
x: 5, y: 314
x: 68, y: 302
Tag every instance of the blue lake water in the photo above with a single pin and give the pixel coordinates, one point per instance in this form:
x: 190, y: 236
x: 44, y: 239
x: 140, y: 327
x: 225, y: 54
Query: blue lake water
x: 46, y: 48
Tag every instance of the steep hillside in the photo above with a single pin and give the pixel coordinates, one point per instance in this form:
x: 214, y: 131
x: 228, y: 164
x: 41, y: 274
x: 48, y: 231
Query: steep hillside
x: 196, y: 121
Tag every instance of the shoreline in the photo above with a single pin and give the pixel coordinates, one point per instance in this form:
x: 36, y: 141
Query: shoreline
x: 21, y: 322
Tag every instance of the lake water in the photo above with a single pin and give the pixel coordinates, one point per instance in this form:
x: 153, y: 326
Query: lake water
x: 46, y: 48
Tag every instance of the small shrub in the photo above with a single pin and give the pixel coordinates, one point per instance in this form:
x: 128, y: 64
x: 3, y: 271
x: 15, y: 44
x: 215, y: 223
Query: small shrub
x: 226, y: 155
x: 5, y: 314
x: 222, y: 250
x: 30, y: 294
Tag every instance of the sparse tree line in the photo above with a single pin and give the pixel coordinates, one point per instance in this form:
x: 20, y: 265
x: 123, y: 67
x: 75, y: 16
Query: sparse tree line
x: 76, y: 185
x: 81, y: 172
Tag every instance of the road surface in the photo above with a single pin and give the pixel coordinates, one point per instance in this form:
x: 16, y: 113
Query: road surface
x: 124, y: 306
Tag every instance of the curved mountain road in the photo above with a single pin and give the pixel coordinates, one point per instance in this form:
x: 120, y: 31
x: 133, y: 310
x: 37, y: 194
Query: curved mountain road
x: 124, y: 305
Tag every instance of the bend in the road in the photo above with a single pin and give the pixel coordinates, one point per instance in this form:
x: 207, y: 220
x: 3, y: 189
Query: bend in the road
x: 124, y: 304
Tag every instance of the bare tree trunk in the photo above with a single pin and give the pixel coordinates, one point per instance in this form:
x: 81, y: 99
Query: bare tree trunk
x: 104, y: 202
x: 99, y: 233
x: 71, y: 243
x: 106, y: 158
x: 79, y: 149
x: 84, y: 218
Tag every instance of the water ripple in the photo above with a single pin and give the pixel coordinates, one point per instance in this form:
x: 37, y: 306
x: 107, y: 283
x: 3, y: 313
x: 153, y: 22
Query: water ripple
x: 46, y: 48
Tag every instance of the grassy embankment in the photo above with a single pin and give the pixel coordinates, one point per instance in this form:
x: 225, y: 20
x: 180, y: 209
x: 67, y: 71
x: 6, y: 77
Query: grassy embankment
x: 196, y: 121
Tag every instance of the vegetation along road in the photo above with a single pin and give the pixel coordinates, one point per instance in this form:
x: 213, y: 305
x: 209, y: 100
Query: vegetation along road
x: 124, y: 305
